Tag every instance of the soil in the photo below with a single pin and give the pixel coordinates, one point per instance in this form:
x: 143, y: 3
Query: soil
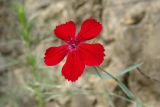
x: 130, y: 36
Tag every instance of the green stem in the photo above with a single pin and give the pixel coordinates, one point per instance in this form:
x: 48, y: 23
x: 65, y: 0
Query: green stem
x: 38, y: 90
x: 25, y: 27
x: 121, y: 85
x: 39, y: 97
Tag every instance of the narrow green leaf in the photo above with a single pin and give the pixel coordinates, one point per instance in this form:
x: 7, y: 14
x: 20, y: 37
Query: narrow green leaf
x: 100, y: 74
x: 138, y: 103
x: 121, y: 84
x: 121, y: 97
x: 129, y: 69
x: 30, y: 89
x: 125, y: 90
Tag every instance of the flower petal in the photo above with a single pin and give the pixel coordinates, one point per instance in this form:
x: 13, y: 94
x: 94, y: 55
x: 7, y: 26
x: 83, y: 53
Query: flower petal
x: 74, y: 67
x: 92, y: 54
x: 65, y: 31
x: 89, y: 30
x: 54, y: 55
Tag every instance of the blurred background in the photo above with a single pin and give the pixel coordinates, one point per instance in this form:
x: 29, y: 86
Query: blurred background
x: 131, y: 35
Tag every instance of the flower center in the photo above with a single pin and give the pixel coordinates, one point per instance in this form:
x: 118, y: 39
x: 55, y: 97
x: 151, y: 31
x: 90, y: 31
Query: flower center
x: 72, y: 44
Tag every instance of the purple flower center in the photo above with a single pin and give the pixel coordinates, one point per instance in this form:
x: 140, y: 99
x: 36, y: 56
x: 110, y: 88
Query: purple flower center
x: 72, y: 44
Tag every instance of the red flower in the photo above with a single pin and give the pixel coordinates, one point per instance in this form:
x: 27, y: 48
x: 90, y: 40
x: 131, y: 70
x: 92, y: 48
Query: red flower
x: 78, y: 52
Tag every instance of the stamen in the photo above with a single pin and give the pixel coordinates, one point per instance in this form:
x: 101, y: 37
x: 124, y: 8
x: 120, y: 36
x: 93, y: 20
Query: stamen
x: 72, y: 44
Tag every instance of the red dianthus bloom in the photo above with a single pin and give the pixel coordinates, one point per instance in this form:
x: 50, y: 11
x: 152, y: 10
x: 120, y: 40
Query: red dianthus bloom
x: 77, y: 51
